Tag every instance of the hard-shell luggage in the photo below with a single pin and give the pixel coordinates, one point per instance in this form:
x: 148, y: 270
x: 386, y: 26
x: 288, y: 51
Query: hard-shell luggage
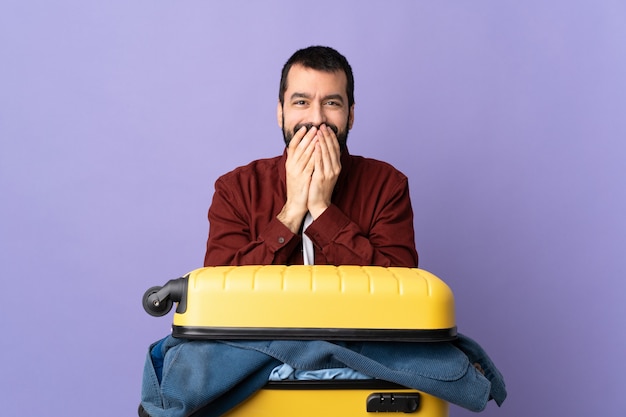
x: 344, y: 303
x: 338, y: 399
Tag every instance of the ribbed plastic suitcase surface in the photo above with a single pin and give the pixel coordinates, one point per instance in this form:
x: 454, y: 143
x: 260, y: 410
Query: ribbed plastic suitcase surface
x: 314, y: 302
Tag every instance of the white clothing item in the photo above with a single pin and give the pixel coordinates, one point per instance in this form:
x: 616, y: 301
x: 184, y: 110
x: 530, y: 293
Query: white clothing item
x: 307, y: 245
x: 286, y: 372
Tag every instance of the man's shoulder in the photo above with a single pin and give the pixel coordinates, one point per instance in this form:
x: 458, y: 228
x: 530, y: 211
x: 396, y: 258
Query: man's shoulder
x: 372, y: 166
x: 262, y: 163
x: 253, y: 169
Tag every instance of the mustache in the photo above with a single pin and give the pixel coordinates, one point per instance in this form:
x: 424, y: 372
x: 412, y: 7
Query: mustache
x: 310, y: 125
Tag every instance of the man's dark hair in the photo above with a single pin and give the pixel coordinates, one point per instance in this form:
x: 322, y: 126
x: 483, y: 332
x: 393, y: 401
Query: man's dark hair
x: 320, y: 58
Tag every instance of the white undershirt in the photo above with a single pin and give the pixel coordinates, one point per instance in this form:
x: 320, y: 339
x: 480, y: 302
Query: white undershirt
x: 307, y: 245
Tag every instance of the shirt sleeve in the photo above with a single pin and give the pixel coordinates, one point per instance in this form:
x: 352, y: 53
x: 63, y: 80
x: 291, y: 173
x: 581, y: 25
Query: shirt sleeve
x: 230, y: 239
x: 389, y: 242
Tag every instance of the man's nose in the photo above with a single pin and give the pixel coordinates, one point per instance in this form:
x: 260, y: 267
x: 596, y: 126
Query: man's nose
x: 316, y: 115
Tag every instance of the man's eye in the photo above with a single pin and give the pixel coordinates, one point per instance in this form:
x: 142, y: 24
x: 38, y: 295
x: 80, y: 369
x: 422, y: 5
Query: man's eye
x: 299, y: 103
x: 332, y: 103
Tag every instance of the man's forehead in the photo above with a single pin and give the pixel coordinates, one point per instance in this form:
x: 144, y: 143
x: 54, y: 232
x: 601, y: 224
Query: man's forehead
x: 300, y: 76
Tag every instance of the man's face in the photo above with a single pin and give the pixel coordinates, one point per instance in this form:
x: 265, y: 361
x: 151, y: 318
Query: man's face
x: 314, y: 98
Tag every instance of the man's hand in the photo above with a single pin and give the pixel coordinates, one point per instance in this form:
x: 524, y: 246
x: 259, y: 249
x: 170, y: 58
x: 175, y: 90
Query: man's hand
x: 299, y: 168
x: 327, y: 158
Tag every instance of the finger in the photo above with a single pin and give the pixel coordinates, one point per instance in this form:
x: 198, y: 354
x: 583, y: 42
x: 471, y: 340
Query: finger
x: 310, y: 135
x: 300, y: 150
x: 307, y: 141
x: 318, y: 157
x: 330, y: 149
x: 334, y: 142
x: 312, y: 164
x: 307, y: 145
x: 321, y: 153
x: 297, y: 138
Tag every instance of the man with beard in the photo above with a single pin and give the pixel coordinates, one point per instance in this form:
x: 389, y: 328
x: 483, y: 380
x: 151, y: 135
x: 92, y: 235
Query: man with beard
x: 316, y: 203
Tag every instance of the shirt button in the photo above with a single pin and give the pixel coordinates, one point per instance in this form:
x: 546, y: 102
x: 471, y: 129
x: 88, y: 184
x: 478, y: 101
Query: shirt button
x: 281, y: 240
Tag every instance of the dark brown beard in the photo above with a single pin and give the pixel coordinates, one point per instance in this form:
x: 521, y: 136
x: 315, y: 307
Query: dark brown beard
x: 342, y: 137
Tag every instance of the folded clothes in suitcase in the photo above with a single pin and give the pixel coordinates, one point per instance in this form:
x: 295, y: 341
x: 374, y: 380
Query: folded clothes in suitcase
x: 344, y: 303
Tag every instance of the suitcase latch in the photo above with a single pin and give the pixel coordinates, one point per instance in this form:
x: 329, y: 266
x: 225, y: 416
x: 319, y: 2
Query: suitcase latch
x: 388, y: 402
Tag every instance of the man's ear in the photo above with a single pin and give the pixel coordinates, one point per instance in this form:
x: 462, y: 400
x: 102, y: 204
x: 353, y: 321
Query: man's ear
x: 351, y: 117
x: 279, y: 114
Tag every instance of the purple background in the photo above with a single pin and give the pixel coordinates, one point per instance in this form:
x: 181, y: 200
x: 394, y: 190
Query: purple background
x: 116, y: 117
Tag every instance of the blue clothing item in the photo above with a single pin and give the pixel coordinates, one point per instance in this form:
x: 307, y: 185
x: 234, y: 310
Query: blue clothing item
x: 285, y: 372
x: 223, y: 373
x: 181, y: 376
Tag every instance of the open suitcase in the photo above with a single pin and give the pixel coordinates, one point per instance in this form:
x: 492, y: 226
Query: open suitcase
x: 344, y: 303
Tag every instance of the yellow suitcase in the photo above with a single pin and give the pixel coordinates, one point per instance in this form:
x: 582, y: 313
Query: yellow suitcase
x: 308, y: 303
x: 338, y: 399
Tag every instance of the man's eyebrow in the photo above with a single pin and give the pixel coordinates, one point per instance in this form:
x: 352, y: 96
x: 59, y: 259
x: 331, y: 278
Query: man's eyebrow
x: 300, y: 95
x: 337, y: 97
